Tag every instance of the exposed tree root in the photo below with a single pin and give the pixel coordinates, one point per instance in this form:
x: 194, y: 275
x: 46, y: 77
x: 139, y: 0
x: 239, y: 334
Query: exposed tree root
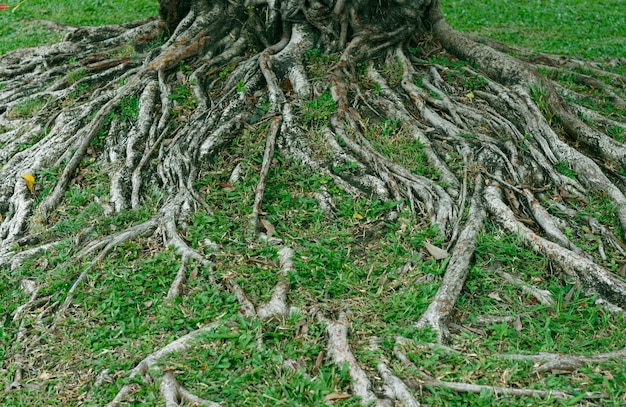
x: 594, y: 278
x: 152, y: 117
x: 560, y: 362
x: 339, y: 353
x: 422, y: 381
x: 169, y: 387
x: 456, y: 273
x: 173, y: 392
x: 278, y: 306
x: 543, y: 296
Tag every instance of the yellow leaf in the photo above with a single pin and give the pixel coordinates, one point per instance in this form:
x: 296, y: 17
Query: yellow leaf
x: 29, y: 180
x: 357, y: 215
x: 470, y: 95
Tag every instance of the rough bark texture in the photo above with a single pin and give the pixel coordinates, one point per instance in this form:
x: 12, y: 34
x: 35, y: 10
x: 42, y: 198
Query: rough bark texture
x: 510, y: 135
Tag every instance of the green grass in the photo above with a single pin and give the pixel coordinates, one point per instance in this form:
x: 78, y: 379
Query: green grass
x: 129, y: 108
x: 319, y: 109
x: 589, y: 29
x: 318, y: 64
x: 21, y: 28
x: 393, y: 141
x: 27, y: 108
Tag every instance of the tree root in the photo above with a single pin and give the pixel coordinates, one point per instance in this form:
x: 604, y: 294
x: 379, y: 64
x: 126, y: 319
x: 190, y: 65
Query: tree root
x: 560, y: 362
x: 339, y: 352
x: 595, y: 279
x: 424, y: 381
x: 456, y: 273
x: 170, y: 388
x: 173, y: 392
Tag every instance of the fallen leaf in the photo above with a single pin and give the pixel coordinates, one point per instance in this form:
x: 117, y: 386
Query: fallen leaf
x: 494, y: 296
x: 226, y: 186
x: 568, y: 297
x: 30, y: 181
x: 3, y: 6
x: 470, y: 96
x: 531, y: 300
x: 318, y: 362
x: 337, y: 396
x: 622, y: 270
x: 510, y: 196
x: 517, y: 324
x: 45, y: 375
x: 435, y: 251
x: 301, y: 328
x: 287, y: 85
x: 269, y: 228
x: 357, y: 215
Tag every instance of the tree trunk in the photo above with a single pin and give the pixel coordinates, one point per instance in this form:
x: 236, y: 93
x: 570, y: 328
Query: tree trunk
x: 150, y: 108
x: 172, y: 11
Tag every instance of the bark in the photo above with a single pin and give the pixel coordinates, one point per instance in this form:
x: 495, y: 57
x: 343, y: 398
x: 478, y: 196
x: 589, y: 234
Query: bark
x: 511, y: 136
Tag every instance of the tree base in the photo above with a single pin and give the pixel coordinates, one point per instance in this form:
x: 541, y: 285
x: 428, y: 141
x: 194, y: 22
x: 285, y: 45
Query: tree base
x: 164, y: 138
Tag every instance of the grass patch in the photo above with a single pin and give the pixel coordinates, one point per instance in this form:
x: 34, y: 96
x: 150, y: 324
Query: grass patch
x: 593, y: 30
x: 28, y: 108
x: 22, y: 28
x: 564, y: 168
x: 75, y: 75
x: 129, y: 108
x: 183, y: 95
x: 318, y: 64
x: 390, y: 138
x: 318, y: 110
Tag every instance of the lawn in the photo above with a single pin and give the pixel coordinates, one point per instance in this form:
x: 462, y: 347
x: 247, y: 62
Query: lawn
x: 25, y: 26
x: 588, y: 29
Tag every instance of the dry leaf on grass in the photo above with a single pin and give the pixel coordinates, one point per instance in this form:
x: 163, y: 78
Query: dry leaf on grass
x: 436, y: 252
x: 269, y: 228
x: 337, y: 396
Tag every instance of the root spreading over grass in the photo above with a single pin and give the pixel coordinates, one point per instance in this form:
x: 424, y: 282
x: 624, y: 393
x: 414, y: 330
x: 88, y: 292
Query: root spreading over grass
x: 323, y: 190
